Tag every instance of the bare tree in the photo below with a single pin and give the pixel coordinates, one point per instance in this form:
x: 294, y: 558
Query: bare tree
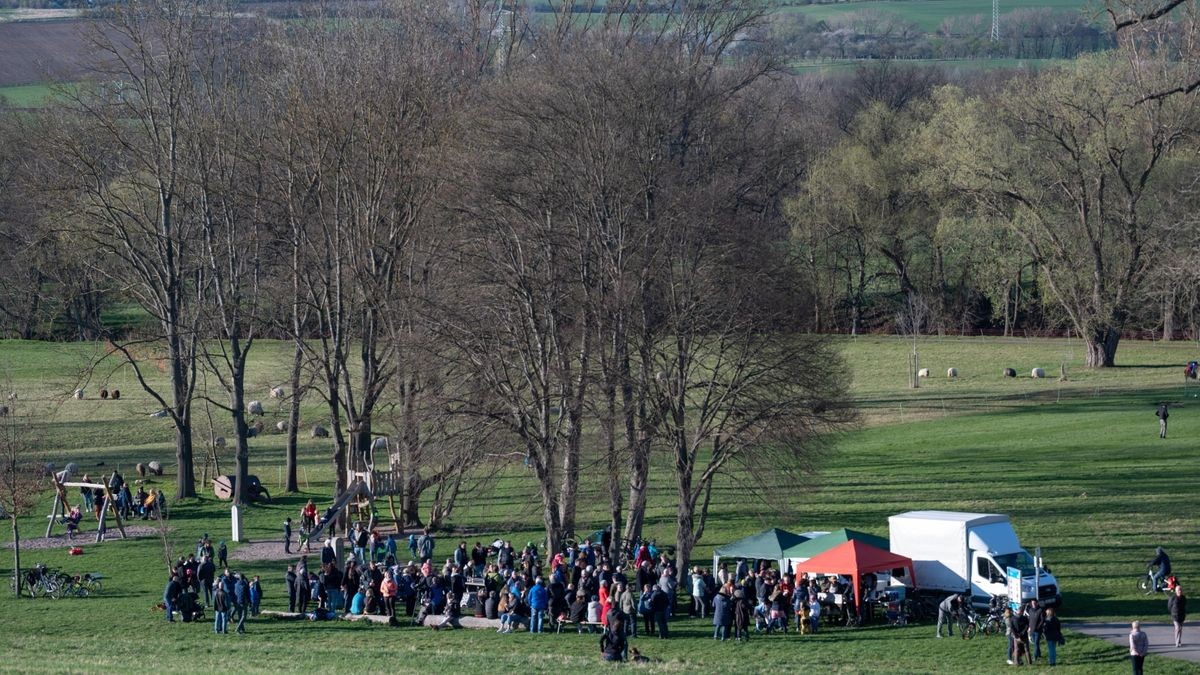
x: 120, y: 149
x: 19, y: 484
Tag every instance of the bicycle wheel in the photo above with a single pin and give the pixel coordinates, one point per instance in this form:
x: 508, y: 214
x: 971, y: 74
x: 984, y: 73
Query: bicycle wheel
x: 969, y: 629
x: 52, y: 588
x: 993, y: 626
x: 1145, y: 585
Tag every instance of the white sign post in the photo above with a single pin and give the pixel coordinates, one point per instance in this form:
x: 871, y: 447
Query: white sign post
x: 1014, y: 588
x: 235, y: 513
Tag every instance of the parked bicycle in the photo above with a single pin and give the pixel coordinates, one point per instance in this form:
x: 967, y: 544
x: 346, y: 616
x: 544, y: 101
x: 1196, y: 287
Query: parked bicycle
x: 38, y: 581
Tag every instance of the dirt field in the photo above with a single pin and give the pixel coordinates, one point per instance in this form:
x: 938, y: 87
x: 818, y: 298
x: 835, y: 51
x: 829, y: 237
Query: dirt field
x: 41, y: 51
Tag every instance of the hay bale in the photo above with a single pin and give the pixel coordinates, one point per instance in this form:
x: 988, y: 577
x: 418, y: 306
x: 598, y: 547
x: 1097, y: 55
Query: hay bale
x: 156, y: 468
x: 1037, y: 373
x: 219, y: 441
x: 116, y: 394
x: 78, y: 394
x: 141, y: 470
x: 278, y: 392
x: 46, y: 469
x: 160, y: 414
x: 12, y: 397
x: 952, y: 372
x: 4, y: 411
x: 380, y: 444
x: 281, y: 426
x: 1010, y: 372
x: 924, y: 372
x: 320, y: 432
x: 255, y: 407
x: 103, y: 393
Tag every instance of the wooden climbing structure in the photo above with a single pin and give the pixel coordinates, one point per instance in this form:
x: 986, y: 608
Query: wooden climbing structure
x: 62, y: 507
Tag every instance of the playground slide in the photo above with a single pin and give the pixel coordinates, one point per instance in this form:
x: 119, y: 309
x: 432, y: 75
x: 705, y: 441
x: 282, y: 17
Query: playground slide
x: 352, y: 492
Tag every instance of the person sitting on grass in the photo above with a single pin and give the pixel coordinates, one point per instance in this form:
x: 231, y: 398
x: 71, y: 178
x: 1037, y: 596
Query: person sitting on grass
x: 517, y: 615
x: 762, y: 616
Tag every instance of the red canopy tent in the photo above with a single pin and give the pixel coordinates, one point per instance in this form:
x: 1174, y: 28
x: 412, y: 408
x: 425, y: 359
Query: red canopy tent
x: 855, y: 558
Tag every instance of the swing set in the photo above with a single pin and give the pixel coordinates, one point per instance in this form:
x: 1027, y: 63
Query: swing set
x: 62, y: 507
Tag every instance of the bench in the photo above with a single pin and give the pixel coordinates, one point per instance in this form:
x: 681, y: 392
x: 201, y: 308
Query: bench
x: 579, y: 626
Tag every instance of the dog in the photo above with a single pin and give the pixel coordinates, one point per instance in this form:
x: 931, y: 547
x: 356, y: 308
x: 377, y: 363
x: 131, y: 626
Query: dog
x: 637, y: 656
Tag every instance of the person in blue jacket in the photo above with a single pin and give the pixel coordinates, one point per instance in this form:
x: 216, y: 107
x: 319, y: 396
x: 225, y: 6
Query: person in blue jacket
x: 241, y: 601
x: 539, y: 602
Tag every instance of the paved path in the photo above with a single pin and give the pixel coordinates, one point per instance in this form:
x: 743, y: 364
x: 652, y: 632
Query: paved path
x: 1162, y: 637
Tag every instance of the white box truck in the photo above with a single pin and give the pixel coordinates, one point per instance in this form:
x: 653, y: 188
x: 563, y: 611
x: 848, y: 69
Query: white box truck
x: 967, y: 553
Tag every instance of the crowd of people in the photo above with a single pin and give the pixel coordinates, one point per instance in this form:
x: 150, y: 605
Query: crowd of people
x: 231, y: 596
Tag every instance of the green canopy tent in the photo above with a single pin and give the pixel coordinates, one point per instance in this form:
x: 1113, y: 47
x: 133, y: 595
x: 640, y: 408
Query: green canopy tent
x: 818, y: 545
x: 766, y: 545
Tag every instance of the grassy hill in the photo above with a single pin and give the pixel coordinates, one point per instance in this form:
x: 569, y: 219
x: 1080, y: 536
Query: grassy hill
x: 929, y: 14
x: 1077, y: 464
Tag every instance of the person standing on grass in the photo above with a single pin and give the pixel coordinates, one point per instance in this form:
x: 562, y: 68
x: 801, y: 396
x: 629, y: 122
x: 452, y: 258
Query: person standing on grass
x: 1052, y: 629
x: 222, y: 556
x: 289, y: 579
x: 1139, y: 646
x: 722, y: 616
x: 255, y: 595
x: 1177, y: 607
x: 241, y: 601
x: 204, y: 574
x: 1036, y: 621
x: 287, y: 535
x: 539, y: 604
x: 1162, y: 414
x: 947, y: 613
x: 425, y: 546
x: 171, y: 596
x: 301, y: 587
x: 220, y: 611
x: 698, y: 592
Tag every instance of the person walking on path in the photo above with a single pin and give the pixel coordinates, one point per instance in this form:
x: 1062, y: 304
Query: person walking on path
x: 1139, y: 645
x: 1052, y: 629
x: 1162, y: 416
x: 1177, y: 607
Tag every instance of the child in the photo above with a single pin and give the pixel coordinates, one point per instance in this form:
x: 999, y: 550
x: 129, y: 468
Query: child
x: 762, y: 616
x: 73, y: 522
x: 805, y: 618
x: 741, y: 616
x: 255, y: 595
x: 814, y: 612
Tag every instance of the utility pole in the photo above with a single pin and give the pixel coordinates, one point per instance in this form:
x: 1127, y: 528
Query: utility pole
x: 995, y: 20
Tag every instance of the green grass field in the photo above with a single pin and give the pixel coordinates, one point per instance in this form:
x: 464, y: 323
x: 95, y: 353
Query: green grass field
x: 27, y: 95
x: 929, y: 14
x: 1077, y: 464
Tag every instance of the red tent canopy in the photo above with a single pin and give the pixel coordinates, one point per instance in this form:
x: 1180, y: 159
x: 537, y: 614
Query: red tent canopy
x: 854, y: 559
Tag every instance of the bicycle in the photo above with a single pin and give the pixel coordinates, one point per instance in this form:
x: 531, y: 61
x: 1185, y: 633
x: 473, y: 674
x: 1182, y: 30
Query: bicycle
x: 968, y: 623
x: 1147, y: 584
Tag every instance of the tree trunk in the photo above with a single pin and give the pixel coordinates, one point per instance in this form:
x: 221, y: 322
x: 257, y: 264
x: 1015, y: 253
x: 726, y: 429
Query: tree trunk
x: 185, y: 479
x: 16, y: 554
x: 1101, y: 345
x: 241, y: 430
x: 293, y: 485
x: 1168, y: 315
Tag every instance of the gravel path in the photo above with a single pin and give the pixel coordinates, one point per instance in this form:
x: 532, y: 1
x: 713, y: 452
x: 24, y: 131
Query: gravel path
x: 85, y: 538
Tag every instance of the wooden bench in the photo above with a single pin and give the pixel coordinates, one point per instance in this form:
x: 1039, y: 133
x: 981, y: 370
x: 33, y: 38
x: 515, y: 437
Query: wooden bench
x: 579, y: 625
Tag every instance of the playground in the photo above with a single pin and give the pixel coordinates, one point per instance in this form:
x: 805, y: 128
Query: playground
x: 1076, y: 463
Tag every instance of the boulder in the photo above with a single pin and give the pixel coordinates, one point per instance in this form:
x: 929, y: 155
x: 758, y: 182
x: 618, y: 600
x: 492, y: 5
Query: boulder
x: 160, y: 414
x: 924, y: 372
x: 281, y: 426
x: 1037, y: 373
x: 278, y: 392
x: 4, y: 411
x: 320, y: 432
x: 1010, y: 372
x: 255, y: 407
x: 156, y: 468
x: 219, y: 441
x: 78, y: 394
x: 952, y: 372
